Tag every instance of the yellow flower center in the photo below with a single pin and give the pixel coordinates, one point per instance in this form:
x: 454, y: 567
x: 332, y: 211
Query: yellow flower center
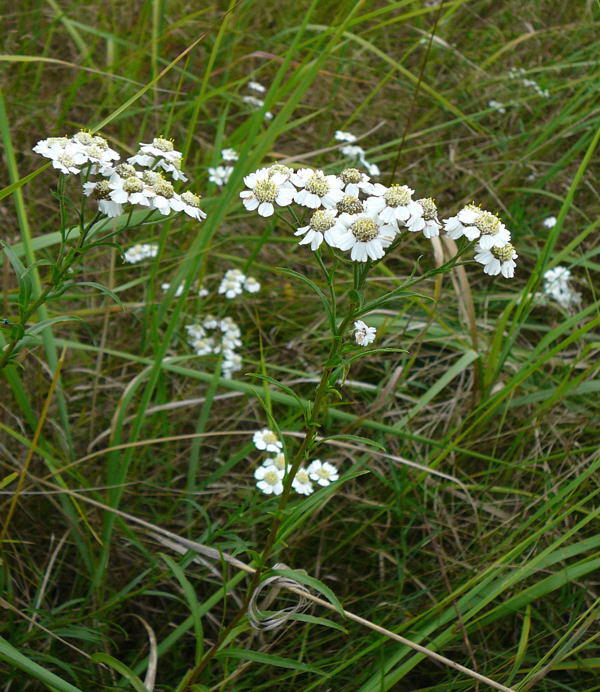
x: 397, y: 195
x: 322, y: 220
x: 350, y: 205
x: 351, y: 175
x: 364, y: 229
x: 503, y: 253
x: 488, y: 223
x: 265, y: 191
x: 317, y: 184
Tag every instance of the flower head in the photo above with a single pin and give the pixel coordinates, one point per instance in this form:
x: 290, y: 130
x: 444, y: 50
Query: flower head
x: 140, y: 252
x: 265, y: 190
x: 266, y: 439
x: 499, y: 259
x: 355, y: 182
x: 394, y: 204
x: 316, y: 189
x: 301, y: 483
x: 220, y: 175
x: 474, y: 222
x: 229, y: 155
x: 366, y: 235
x: 322, y: 472
x: 342, y: 136
x: 549, y: 222
x: 364, y: 335
x: 428, y: 221
x: 269, y: 480
x: 189, y: 203
x: 322, y: 223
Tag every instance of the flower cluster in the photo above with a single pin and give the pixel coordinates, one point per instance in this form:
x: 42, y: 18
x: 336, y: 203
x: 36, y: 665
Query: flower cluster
x: 219, y: 175
x: 271, y: 473
x: 141, y: 181
x: 215, y: 336
x: 493, y: 249
x: 557, y: 286
x: 364, y: 335
x: 235, y: 282
x: 140, y: 252
x: 356, y: 153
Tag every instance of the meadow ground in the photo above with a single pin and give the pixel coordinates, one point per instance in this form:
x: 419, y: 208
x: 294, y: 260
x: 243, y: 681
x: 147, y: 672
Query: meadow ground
x: 465, y: 514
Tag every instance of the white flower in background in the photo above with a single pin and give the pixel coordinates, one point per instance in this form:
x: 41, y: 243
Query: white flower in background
x: 140, y: 252
x: 269, y: 480
x: 428, y: 222
x: 223, y: 338
x: 394, y: 204
x: 189, y: 203
x: 550, y: 222
x: 232, y: 283
x: 474, y: 222
x: 195, y: 331
x: 355, y: 182
x: 372, y: 168
x: 251, y: 285
x: 497, y: 106
x: 497, y: 260
x: 100, y: 191
x: 364, y: 335
x: 342, y: 136
x: 322, y: 472
x: 203, y: 346
x: 557, y: 287
x: 278, y: 461
x: 266, y: 190
x: 267, y: 440
x: 130, y: 190
x: 322, y: 223
x: 301, y: 483
x: 366, y: 235
x: 253, y: 101
x: 173, y: 168
x: 256, y: 86
x: 202, y: 292
x: 229, y: 155
x: 353, y: 151
x: 316, y: 188
x: 277, y: 169
x: 159, y: 148
x: 220, y: 175
x: 231, y: 363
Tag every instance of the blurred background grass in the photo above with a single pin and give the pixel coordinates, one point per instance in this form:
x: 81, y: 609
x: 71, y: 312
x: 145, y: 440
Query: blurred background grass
x: 499, y: 572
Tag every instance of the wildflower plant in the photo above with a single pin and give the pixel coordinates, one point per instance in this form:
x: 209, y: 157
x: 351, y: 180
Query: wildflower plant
x: 113, y: 196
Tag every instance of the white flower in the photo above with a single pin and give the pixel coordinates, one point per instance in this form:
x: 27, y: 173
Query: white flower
x: 497, y: 106
x: 428, y: 222
x: 266, y: 439
x: 94, y: 148
x: 557, y: 287
x: 253, y: 101
x: 189, y: 203
x: 342, y: 136
x: 355, y: 182
x: 322, y: 224
x: 173, y: 168
x: 316, y: 188
x: 353, y: 151
x: 51, y: 147
x: 195, y: 331
x: 372, y: 168
x: 165, y: 199
x: 203, y: 346
x: 301, y: 483
x: 68, y: 161
x: 232, y: 283
x: 366, y: 235
x: 159, y: 148
x: 130, y: 190
x: 251, y: 285
x: 278, y: 461
x: 231, y: 363
x: 550, y: 222
x: 364, y: 335
x: 269, y: 480
x: 256, y: 86
x: 229, y: 155
x: 322, y: 472
x: 497, y: 260
x: 220, y: 175
x: 140, y: 252
x: 394, y: 204
x: 100, y: 191
x: 266, y: 190
x: 474, y: 222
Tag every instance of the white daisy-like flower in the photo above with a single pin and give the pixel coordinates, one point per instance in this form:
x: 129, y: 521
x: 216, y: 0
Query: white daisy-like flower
x: 364, y: 335
x: 394, y: 204
x: 195, y: 331
x: 257, y: 86
x: 270, y: 480
x: 140, y: 252
x: 68, y: 161
x: 497, y: 259
x: 165, y: 199
x: 100, y: 191
x: 355, y: 182
x: 159, y: 148
x: 51, y: 147
x: 474, y: 222
x: 301, y: 483
x: 549, y: 222
x: 342, y: 136
x: 220, y: 175
x: 94, y: 148
x: 265, y: 190
x: 173, y: 168
x: 428, y: 222
x: 366, y: 235
x: 189, y: 203
x: 251, y: 285
x: 322, y: 224
x: 266, y: 439
x: 227, y: 326
x: 316, y: 189
x: 278, y: 461
x: 322, y: 472
x: 130, y: 190
x: 557, y: 287
x: 229, y: 155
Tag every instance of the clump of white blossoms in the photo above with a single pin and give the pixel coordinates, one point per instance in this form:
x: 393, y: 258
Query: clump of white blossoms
x: 557, y: 286
x: 140, y: 252
x: 220, y: 175
x: 322, y: 472
x: 70, y: 154
x: 364, y: 335
x: 215, y: 336
x: 549, y: 222
x: 267, y: 440
x: 394, y: 205
x: 234, y: 282
x: 257, y: 86
x: 229, y: 155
